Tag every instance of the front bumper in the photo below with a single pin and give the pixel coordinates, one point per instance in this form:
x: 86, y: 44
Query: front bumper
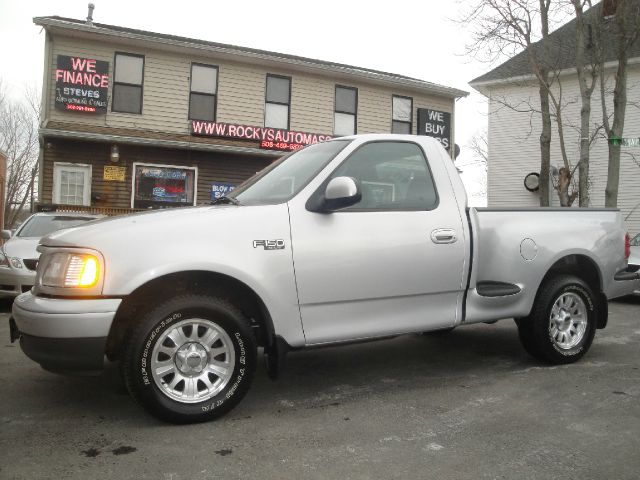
x: 64, y: 335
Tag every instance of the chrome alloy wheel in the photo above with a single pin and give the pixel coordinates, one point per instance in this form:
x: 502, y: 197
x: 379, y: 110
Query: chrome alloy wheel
x: 193, y: 360
x: 568, y: 321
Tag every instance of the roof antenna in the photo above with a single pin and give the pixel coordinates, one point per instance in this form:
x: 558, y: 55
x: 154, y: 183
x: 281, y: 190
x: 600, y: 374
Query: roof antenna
x: 90, y: 15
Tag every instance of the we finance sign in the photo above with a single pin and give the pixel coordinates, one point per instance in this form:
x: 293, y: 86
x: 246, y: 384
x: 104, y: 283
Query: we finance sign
x: 82, y: 84
x: 269, y: 138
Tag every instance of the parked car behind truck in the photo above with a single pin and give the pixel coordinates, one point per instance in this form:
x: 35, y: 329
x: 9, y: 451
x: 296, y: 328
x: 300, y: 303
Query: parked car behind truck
x: 18, y: 255
x: 357, y: 238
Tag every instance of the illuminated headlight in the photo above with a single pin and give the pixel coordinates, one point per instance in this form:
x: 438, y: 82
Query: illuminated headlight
x: 15, y: 262
x: 71, y: 270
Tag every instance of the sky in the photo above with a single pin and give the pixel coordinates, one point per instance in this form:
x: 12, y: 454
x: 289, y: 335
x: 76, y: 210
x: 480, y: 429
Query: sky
x: 414, y: 38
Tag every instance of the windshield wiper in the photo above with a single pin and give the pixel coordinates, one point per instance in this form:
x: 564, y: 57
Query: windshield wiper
x: 225, y: 199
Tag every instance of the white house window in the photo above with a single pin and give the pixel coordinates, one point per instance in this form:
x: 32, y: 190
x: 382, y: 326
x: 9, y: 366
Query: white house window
x: 402, y: 114
x: 346, y: 110
x: 71, y: 184
x: 277, y: 102
x: 160, y: 186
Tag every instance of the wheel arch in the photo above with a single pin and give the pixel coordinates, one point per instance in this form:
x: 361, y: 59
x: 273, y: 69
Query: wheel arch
x: 192, y: 281
x: 585, y: 268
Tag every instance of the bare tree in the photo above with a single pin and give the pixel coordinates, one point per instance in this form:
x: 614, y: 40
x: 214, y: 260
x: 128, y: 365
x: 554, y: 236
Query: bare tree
x: 19, y: 140
x: 622, y: 25
x: 507, y: 27
x: 587, y: 75
x: 479, y: 145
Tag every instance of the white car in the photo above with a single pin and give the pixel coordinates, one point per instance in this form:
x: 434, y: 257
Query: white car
x: 18, y: 255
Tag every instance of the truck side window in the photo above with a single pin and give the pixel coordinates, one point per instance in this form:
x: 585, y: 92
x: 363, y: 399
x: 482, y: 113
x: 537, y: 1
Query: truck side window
x: 392, y: 176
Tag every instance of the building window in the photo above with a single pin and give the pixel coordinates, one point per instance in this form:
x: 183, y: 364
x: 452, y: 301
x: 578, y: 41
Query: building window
x: 71, y: 184
x: 159, y: 186
x: 277, y: 102
x: 402, y: 114
x: 204, y: 86
x: 127, y: 84
x: 345, y: 118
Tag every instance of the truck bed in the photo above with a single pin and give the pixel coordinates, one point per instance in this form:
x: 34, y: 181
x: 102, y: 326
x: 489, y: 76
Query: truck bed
x: 514, y: 248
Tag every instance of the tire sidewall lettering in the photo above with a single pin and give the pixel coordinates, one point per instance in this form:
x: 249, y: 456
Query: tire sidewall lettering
x: 148, y: 345
x: 230, y: 390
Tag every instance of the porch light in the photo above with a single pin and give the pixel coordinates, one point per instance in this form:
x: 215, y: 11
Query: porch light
x: 115, y: 154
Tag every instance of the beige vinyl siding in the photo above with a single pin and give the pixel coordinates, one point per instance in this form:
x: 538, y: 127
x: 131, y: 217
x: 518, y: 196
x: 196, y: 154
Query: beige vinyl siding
x: 241, y: 90
x: 514, y: 148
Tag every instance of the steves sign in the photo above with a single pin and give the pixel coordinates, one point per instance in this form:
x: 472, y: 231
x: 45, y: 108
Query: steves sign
x: 82, y: 84
x: 269, y: 138
x: 434, y: 123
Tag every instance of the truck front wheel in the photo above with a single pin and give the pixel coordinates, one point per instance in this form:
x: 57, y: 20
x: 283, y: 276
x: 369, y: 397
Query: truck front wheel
x: 562, y: 323
x: 190, y: 359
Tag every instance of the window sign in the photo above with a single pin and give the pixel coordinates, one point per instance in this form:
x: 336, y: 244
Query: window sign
x: 81, y: 84
x: 435, y: 124
x: 156, y: 186
x: 220, y: 189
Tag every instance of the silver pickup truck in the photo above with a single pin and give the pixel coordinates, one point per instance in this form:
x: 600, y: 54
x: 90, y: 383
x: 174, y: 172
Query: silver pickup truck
x: 357, y: 238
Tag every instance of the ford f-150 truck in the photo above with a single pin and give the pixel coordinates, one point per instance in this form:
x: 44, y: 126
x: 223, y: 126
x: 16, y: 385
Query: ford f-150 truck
x: 357, y: 238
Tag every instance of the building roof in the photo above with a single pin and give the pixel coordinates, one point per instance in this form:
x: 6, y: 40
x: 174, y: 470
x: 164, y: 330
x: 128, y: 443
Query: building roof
x: 562, y: 49
x: 56, y: 23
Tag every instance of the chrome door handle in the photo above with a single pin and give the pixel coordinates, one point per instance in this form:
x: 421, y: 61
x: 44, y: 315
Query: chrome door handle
x: 444, y: 235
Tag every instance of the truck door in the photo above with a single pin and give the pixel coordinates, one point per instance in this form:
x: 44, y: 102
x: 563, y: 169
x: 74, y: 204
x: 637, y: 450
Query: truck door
x: 390, y: 264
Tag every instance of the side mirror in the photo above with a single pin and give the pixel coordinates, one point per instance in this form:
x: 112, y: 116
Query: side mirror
x: 341, y: 192
x: 6, y: 234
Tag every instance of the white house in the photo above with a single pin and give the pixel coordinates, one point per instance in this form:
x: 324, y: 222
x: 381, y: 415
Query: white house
x: 514, y: 127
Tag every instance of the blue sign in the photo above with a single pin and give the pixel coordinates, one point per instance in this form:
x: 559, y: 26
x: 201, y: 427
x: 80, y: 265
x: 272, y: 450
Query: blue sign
x: 220, y: 189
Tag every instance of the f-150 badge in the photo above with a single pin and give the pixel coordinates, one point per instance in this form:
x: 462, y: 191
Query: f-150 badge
x: 269, y: 244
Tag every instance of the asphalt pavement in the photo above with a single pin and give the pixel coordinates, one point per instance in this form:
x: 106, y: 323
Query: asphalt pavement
x: 467, y: 404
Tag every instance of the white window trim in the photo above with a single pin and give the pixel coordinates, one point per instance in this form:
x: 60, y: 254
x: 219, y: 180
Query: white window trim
x: 86, y: 194
x: 181, y: 167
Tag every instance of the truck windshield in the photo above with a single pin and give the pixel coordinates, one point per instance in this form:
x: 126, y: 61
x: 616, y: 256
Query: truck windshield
x: 283, y: 179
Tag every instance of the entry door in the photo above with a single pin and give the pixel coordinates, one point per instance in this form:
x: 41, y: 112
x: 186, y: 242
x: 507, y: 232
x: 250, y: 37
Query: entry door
x: 374, y: 269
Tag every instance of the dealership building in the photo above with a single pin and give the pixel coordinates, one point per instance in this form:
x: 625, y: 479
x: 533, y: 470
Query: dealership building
x: 135, y: 120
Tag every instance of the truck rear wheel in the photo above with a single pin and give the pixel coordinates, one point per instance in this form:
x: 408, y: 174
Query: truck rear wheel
x: 190, y: 359
x: 562, y: 323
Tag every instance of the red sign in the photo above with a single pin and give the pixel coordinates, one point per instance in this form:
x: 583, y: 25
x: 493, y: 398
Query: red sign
x: 269, y: 138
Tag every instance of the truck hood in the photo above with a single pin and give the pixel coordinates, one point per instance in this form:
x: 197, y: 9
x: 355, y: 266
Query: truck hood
x: 153, y: 226
x: 221, y: 238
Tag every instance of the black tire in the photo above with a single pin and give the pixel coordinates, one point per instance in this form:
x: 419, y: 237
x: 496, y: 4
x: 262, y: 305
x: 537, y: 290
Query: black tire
x: 192, y: 319
x: 545, y: 338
